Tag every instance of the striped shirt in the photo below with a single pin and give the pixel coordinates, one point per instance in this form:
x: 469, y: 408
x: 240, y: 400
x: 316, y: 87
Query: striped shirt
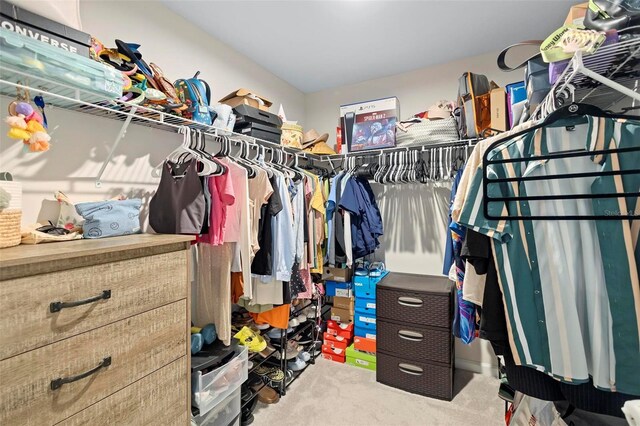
x: 571, y: 289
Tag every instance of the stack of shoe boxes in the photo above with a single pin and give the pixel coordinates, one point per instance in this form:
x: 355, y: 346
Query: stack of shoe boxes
x: 337, y: 339
x: 362, y: 352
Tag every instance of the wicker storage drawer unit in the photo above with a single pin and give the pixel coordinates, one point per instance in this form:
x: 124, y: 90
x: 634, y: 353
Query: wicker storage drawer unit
x: 95, y: 332
x: 415, y: 342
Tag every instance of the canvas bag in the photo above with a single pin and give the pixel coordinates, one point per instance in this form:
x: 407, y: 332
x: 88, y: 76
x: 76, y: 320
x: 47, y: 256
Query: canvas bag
x: 474, y: 109
x: 422, y: 131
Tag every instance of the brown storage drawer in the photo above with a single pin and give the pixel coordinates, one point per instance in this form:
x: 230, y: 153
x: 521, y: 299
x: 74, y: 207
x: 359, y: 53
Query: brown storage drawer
x: 422, y: 378
x: 137, y: 347
x: 416, y: 343
x: 413, y: 307
x: 140, y: 402
x: 136, y: 286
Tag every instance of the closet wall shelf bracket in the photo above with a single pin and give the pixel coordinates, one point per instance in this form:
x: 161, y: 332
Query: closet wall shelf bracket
x: 121, y: 135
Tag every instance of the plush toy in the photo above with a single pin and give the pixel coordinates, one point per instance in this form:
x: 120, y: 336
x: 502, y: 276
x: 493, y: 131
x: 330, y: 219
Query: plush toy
x: 26, y: 124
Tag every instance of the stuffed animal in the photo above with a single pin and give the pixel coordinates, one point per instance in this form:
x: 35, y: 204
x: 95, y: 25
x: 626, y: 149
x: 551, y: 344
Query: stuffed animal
x: 26, y: 125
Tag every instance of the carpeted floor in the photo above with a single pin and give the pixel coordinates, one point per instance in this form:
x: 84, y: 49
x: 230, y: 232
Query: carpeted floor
x: 335, y: 394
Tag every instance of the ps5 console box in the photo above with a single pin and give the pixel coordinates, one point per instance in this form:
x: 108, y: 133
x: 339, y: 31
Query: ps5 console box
x: 370, y: 125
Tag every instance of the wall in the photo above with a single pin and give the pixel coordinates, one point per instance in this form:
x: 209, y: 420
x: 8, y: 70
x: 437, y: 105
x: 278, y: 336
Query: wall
x: 80, y: 142
x: 415, y: 216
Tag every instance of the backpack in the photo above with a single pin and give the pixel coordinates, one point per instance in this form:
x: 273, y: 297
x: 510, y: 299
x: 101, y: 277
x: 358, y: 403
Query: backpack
x: 474, y: 111
x: 196, y: 94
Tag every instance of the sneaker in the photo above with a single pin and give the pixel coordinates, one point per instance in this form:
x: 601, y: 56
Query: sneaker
x: 362, y: 268
x: 274, y: 333
x: 296, y: 365
x: 262, y: 326
x: 304, y: 356
x: 376, y: 269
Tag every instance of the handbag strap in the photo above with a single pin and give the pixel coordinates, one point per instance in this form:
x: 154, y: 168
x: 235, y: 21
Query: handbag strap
x: 501, y: 57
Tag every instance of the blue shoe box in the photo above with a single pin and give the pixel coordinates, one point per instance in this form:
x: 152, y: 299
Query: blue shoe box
x: 366, y: 332
x: 334, y: 288
x: 365, y: 305
x: 365, y: 286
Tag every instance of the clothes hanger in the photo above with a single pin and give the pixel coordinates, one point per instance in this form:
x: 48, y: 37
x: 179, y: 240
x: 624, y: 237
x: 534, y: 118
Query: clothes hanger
x: 572, y: 110
x: 176, y: 153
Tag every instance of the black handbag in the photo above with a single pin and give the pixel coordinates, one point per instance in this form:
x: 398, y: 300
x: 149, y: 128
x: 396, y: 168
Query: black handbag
x: 603, y: 15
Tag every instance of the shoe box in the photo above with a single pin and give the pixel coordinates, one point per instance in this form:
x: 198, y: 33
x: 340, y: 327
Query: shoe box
x: 255, y: 122
x: 342, y: 275
x: 342, y: 315
x: 363, y: 305
x: 366, y: 323
x: 344, y: 303
x: 337, y: 342
x: 343, y: 330
x: 360, y: 359
x: 334, y: 354
x: 364, y: 345
x: 365, y: 286
x: 367, y: 332
x: 260, y: 131
x: 335, y: 288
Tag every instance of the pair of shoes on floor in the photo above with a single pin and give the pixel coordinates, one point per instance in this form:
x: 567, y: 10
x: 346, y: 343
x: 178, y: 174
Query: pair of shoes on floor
x: 375, y: 269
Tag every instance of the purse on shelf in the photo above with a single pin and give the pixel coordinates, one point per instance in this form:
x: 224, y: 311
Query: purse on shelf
x: 110, y: 218
x: 417, y: 131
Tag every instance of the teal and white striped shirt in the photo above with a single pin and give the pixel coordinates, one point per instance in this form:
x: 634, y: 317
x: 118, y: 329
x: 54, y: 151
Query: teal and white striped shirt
x: 570, y: 288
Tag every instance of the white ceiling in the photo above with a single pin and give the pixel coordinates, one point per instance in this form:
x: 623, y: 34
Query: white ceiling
x: 317, y: 45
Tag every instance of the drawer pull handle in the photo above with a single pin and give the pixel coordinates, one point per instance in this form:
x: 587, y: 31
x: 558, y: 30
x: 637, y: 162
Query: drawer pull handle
x: 414, y: 370
x: 58, y: 306
x: 411, y: 302
x: 410, y: 335
x: 57, y: 383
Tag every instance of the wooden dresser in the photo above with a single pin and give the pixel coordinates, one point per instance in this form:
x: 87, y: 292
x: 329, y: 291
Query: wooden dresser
x: 415, y: 342
x: 95, y: 332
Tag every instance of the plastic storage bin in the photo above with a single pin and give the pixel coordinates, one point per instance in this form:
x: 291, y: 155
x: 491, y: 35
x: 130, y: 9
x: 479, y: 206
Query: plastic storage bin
x: 224, y: 413
x: 39, y: 59
x: 211, y: 388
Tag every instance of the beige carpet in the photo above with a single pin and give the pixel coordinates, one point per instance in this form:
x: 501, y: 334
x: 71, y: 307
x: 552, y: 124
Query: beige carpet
x: 338, y: 394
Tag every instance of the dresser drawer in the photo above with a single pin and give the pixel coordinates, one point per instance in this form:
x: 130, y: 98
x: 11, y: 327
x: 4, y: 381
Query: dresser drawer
x: 416, y: 377
x: 416, y: 343
x: 414, y: 308
x: 137, y: 346
x: 158, y: 399
x: 135, y: 286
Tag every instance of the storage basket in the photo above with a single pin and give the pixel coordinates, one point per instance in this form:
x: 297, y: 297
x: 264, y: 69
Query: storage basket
x: 10, y: 213
x: 291, y: 135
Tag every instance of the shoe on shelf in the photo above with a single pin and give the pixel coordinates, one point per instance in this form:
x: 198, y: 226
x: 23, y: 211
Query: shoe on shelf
x: 304, y: 356
x: 275, y: 333
x: 362, y: 268
x: 252, y: 340
x: 293, y: 322
x: 376, y: 269
x: 266, y: 352
x: 262, y: 326
x: 296, y: 365
x: 266, y: 394
x: 293, y: 349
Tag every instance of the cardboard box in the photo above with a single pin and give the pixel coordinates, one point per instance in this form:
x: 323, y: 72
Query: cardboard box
x: 342, y: 330
x: 576, y: 14
x: 337, y: 342
x: 344, y: 303
x: 333, y: 354
x: 360, y: 359
x: 334, y: 288
x: 364, y: 345
x: 365, y: 286
x: 370, y: 125
x: 21, y: 21
x: 342, y: 315
x: 499, y: 111
x: 341, y: 275
x: 246, y: 97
